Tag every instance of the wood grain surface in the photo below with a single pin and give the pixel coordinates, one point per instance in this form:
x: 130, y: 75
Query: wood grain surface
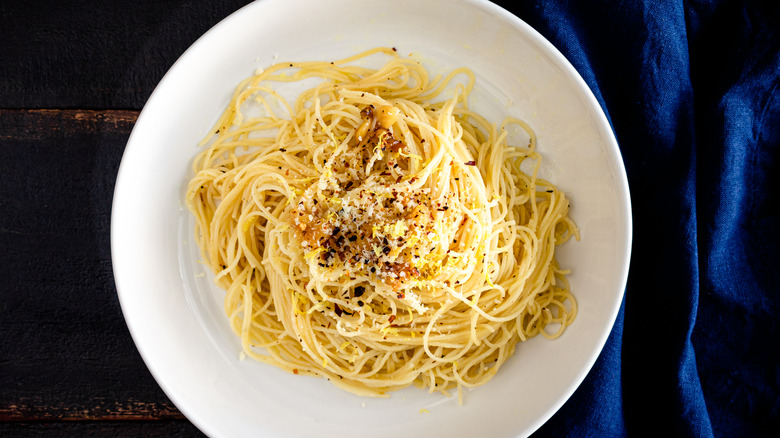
x: 95, y: 54
x: 67, y: 355
x: 74, y: 76
x: 88, y: 429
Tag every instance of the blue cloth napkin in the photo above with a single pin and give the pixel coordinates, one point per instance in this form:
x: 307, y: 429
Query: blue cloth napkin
x: 691, y: 89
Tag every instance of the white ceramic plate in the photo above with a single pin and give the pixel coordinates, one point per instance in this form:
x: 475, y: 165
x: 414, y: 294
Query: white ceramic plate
x: 175, y: 314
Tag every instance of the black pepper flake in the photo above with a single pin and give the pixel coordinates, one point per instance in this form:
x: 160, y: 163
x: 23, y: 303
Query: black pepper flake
x: 360, y: 303
x: 282, y: 150
x: 359, y: 290
x: 422, y: 141
x: 337, y: 309
x: 394, y: 49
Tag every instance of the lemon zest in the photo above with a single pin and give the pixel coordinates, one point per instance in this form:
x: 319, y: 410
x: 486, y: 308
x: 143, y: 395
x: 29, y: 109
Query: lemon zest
x: 248, y: 223
x: 313, y: 253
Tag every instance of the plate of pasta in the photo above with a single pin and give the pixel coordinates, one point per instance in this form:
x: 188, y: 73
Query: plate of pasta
x: 393, y: 225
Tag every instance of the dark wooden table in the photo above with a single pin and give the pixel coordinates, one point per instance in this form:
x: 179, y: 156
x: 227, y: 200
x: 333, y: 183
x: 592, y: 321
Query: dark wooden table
x: 73, y: 77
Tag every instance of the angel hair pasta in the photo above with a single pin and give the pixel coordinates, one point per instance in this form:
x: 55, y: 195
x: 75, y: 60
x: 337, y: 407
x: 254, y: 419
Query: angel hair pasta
x: 376, y: 231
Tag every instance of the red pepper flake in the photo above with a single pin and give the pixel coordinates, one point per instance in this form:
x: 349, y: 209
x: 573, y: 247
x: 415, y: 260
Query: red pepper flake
x: 471, y: 163
x: 391, y: 319
x: 295, y: 371
x: 337, y: 309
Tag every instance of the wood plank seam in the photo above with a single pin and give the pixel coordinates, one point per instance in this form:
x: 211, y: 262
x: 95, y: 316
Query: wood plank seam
x: 38, y: 124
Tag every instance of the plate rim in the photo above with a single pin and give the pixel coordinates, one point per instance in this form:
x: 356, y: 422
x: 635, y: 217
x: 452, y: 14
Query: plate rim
x: 622, y: 191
